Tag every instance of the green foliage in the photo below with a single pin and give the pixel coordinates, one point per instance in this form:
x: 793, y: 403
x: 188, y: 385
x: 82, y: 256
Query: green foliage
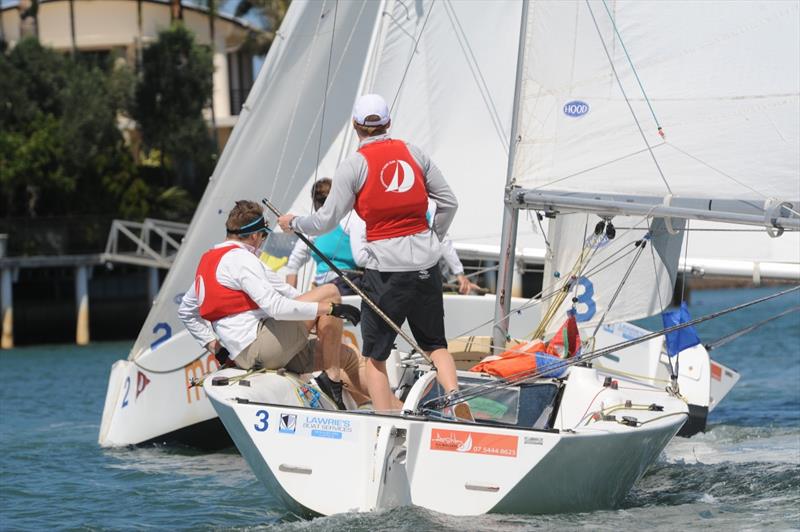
x: 175, y: 87
x: 59, y: 140
x: 270, y: 14
x: 62, y: 150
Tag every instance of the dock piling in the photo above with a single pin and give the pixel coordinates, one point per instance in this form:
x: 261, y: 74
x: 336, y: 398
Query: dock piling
x: 6, y: 308
x: 82, y: 276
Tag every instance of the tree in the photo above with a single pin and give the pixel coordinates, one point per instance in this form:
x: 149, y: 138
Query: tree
x: 175, y: 87
x: 271, y: 13
x: 61, y: 151
x: 29, y: 18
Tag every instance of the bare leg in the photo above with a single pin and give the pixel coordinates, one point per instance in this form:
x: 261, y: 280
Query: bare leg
x: 446, y: 375
x: 353, y: 367
x: 352, y: 371
x: 445, y: 369
x: 378, y: 386
x: 329, y: 329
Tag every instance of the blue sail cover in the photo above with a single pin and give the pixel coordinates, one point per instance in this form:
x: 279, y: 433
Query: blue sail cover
x: 681, y: 339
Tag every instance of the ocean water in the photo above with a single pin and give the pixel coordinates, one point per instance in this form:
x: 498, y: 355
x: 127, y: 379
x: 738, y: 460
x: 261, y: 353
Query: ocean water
x: 744, y: 473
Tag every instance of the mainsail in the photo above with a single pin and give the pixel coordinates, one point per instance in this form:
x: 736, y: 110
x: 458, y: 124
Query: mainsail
x: 447, y: 69
x: 721, y: 78
x: 618, y: 113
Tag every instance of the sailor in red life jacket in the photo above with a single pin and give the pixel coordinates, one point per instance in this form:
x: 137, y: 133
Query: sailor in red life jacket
x: 260, y: 320
x: 388, y: 183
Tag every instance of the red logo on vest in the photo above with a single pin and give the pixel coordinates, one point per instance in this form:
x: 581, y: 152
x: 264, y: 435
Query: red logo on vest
x: 397, y: 176
x: 392, y: 168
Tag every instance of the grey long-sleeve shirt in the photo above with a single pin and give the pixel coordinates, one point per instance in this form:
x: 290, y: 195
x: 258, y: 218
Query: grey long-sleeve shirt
x: 404, y: 253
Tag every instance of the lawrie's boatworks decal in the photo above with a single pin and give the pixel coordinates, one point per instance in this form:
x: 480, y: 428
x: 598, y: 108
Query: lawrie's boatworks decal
x: 474, y: 442
x: 314, y: 426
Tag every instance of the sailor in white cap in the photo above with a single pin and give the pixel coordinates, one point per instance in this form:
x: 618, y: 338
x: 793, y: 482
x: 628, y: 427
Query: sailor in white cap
x: 388, y: 183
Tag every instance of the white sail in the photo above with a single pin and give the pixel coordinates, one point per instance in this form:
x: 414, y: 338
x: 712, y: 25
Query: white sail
x: 598, y: 81
x: 626, y: 278
x: 732, y: 132
x: 448, y: 70
x: 275, y: 147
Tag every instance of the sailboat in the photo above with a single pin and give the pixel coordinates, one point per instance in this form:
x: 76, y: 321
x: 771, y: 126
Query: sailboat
x: 368, y: 46
x: 619, y: 204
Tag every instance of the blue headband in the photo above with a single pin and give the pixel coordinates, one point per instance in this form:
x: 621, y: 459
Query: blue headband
x: 257, y: 225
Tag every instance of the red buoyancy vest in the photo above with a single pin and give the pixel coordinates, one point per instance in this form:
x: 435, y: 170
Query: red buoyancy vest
x: 217, y: 301
x: 394, y: 199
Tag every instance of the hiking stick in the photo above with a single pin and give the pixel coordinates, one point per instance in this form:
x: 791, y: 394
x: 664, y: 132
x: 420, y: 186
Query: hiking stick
x: 405, y: 336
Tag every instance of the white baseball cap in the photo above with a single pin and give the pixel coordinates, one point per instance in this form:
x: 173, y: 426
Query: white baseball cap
x: 368, y: 105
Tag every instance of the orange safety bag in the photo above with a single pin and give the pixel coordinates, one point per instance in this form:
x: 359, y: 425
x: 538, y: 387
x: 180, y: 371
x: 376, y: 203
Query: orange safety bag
x: 535, y: 355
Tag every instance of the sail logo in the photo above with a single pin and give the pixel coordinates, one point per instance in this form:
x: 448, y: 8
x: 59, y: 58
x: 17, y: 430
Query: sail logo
x: 576, y: 108
x: 288, y: 423
x: 474, y: 442
x: 397, y: 176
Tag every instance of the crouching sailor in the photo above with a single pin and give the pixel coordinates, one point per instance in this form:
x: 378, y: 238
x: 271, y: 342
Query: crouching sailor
x: 388, y: 182
x: 257, y: 320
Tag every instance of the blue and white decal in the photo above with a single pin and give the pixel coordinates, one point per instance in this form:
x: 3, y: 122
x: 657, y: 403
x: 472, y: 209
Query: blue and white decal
x: 576, y: 108
x: 288, y: 423
x: 328, y: 427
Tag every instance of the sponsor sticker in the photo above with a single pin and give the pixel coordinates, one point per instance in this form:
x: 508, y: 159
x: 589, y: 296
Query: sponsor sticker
x: 576, y: 108
x: 474, y: 442
x: 532, y: 440
x: 288, y: 423
x: 716, y: 372
x: 328, y: 427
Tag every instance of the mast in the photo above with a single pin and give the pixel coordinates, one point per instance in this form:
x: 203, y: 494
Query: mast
x: 508, y: 236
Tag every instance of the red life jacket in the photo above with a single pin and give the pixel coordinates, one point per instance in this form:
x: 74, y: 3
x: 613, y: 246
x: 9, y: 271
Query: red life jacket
x: 217, y: 301
x: 394, y: 199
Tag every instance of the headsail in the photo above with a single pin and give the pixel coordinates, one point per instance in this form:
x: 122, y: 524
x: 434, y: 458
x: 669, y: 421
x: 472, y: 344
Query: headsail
x: 624, y: 278
x: 274, y: 148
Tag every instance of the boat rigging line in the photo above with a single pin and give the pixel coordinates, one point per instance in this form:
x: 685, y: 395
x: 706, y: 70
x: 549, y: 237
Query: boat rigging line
x: 719, y: 342
x: 410, y: 59
x: 633, y: 69
x: 627, y: 100
x: 543, y: 296
x: 518, y: 378
x: 325, y: 90
x: 414, y: 347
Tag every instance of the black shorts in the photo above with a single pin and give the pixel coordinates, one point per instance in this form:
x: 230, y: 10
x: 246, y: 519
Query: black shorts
x: 413, y: 296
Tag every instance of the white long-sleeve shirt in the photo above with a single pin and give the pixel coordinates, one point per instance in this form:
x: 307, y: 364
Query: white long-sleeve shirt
x: 240, y: 269
x: 449, y: 254
x: 403, y: 253
x: 354, y: 227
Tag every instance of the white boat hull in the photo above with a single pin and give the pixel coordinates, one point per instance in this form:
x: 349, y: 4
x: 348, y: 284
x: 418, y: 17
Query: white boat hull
x: 135, y: 413
x: 321, y: 462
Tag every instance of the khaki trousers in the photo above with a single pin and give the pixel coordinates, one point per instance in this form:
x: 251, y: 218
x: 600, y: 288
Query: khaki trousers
x: 279, y: 344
